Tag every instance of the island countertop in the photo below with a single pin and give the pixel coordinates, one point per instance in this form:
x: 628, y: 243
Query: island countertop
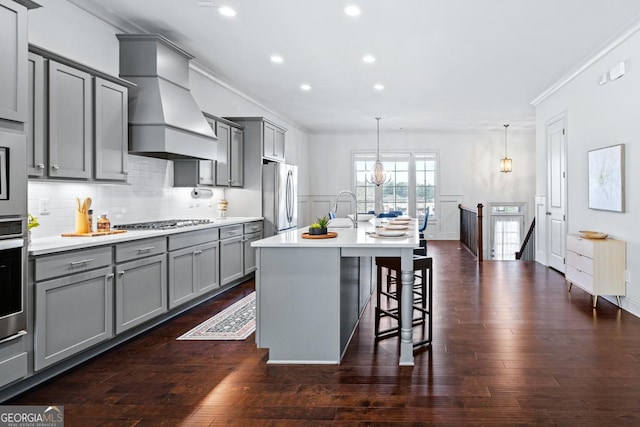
x: 347, y: 238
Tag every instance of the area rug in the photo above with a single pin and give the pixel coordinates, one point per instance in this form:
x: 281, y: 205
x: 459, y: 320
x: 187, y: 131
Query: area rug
x: 235, y: 322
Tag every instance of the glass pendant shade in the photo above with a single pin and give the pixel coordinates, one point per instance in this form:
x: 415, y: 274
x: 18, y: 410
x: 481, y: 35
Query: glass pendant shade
x: 505, y: 164
x: 378, y: 175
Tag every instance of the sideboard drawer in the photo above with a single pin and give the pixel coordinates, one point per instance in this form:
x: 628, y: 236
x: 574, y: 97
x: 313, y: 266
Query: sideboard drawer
x: 580, y: 245
x: 579, y: 278
x: 580, y: 262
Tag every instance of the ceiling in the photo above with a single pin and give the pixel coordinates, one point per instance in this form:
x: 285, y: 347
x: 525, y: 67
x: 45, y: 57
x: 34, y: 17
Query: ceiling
x: 454, y: 64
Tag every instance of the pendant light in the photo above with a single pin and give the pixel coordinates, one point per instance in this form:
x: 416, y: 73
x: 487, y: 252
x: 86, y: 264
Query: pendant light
x: 378, y: 176
x: 505, y: 164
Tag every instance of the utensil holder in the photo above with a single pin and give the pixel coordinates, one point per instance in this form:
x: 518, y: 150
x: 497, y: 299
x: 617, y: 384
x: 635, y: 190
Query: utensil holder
x: 82, y: 223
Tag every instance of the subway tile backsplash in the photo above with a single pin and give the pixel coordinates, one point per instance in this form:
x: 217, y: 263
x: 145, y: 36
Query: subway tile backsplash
x: 148, y: 196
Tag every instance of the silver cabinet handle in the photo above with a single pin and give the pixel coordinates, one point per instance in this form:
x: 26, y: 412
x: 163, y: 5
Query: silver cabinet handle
x: 120, y: 273
x: 55, y: 167
x: 109, y: 276
x: 40, y: 166
x: 14, y: 337
x: 197, y: 253
x: 147, y: 249
x: 83, y: 261
x: 125, y: 172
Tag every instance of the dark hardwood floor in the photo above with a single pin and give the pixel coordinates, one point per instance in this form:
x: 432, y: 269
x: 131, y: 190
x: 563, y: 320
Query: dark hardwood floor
x: 511, y: 347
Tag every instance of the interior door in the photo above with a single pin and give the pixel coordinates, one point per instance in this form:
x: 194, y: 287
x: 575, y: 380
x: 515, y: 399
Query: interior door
x: 556, y: 191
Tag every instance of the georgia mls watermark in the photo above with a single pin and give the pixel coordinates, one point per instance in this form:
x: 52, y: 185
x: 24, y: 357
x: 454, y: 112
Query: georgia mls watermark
x: 31, y: 416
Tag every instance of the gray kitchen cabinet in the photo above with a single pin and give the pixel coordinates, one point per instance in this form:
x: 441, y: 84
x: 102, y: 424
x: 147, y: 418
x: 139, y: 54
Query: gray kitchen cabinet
x: 194, y: 173
x: 231, y: 254
x: 13, y: 67
x: 72, y: 313
x: 263, y: 139
x: 230, y: 159
x: 35, y: 125
x: 193, y: 265
x: 111, y: 130
x: 252, y: 232
x: 273, y: 143
x: 70, y: 122
x: 14, y: 359
x: 141, y: 291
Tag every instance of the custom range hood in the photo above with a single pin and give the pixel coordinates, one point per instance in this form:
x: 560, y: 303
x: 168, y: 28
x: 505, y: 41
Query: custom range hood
x: 164, y: 119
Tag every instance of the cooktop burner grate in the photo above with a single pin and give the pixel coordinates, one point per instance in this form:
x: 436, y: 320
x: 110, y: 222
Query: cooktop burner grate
x: 162, y: 225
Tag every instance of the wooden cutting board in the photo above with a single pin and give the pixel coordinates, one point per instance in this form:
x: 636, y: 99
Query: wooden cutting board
x: 329, y: 235
x: 94, y: 233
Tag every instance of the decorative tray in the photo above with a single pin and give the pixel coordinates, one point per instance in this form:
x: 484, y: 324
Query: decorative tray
x: 94, y: 233
x: 592, y: 234
x: 329, y: 235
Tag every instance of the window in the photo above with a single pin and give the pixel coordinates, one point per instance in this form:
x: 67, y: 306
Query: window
x: 410, y: 190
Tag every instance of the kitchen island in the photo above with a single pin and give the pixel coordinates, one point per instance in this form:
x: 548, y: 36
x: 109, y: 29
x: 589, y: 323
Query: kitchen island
x: 311, y: 292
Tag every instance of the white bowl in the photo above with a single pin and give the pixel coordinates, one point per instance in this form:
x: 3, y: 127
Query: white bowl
x: 362, y: 217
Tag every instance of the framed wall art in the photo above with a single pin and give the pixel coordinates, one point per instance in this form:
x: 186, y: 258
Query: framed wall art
x: 606, y: 178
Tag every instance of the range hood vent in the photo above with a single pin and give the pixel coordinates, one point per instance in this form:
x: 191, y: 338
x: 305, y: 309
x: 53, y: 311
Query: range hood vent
x: 164, y: 119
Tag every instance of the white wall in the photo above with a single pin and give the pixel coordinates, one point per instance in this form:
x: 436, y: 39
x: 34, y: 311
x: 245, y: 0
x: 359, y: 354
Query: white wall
x: 599, y: 116
x: 469, y: 168
x: 67, y: 30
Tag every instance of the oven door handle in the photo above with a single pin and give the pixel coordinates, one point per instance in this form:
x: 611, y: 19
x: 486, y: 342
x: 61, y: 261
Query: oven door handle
x: 11, y: 244
x: 14, y: 337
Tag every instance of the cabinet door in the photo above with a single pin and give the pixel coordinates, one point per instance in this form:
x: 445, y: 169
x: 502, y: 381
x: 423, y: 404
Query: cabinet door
x: 231, y: 265
x: 70, y: 122
x: 223, y: 173
x: 72, y: 313
x: 14, y: 363
x: 268, y: 140
x: 207, y: 267
x: 111, y: 133
x: 35, y: 124
x: 250, y: 253
x: 207, y: 168
x: 278, y: 145
x: 237, y: 157
x: 141, y: 291
x: 13, y: 67
x: 182, y: 280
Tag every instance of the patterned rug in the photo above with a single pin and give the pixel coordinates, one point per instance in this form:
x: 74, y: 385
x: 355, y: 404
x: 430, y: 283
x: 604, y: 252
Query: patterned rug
x: 235, y: 322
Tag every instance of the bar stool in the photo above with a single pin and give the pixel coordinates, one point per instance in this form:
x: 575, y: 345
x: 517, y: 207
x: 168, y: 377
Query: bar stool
x: 421, y: 295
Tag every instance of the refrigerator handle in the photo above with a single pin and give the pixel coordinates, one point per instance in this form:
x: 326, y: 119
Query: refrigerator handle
x: 288, y: 199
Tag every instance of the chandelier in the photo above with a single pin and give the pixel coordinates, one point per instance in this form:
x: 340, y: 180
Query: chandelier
x: 378, y: 175
x: 505, y: 164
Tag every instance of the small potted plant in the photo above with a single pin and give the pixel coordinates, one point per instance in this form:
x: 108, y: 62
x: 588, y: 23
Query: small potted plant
x: 32, y: 222
x: 319, y: 227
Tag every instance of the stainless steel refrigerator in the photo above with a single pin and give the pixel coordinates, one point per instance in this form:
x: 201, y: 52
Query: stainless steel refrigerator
x: 279, y: 198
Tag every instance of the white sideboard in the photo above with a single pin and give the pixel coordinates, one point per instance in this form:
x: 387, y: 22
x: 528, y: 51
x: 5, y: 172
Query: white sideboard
x: 596, y: 265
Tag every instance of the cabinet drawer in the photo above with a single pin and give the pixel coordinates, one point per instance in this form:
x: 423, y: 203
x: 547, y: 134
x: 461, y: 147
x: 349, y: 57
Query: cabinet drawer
x: 580, y: 245
x: 47, y: 267
x: 579, y: 278
x: 231, y: 231
x: 252, y: 227
x: 140, y: 249
x: 13, y: 368
x: 192, y: 238
x: 580, y: 262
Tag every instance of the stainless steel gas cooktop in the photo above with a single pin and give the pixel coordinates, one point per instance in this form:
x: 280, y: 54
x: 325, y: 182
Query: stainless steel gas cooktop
x: 163, y: 225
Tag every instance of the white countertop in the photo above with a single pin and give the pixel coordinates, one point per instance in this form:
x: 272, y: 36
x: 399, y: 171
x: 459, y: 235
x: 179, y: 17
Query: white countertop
x: 49, y: 245
x: 347, y: 238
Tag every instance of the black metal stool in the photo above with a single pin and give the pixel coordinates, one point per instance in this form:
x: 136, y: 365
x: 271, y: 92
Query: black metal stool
x: 421, y: 298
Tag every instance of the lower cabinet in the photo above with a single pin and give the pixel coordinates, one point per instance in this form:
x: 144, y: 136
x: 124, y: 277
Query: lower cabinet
x: 141, y: 291
x: 249, y: 252
x: 231, y: 254
x: 193, y: 271
x: 14, y: 360
x: 72, y: 313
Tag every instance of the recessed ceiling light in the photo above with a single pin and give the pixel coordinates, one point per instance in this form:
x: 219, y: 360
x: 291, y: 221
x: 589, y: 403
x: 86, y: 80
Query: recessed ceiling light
x: 305, y: 87
x: 369, y: 59
x: 226, y: 11
x: 352, y: 10
x: 276, y: 59
x: 378, y: 86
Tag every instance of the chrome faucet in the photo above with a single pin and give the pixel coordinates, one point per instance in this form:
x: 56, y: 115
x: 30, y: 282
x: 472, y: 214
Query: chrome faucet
x: 355, y: 201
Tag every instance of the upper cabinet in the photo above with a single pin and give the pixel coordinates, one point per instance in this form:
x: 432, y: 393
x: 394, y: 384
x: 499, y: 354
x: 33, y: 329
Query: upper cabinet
x: 13, y: 51
x: 228, y: 168
x: 268, y: 136
x: 77, y: 120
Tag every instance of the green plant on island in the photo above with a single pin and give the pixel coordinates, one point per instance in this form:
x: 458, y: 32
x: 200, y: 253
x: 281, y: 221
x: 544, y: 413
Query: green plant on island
x: 320, y: 223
